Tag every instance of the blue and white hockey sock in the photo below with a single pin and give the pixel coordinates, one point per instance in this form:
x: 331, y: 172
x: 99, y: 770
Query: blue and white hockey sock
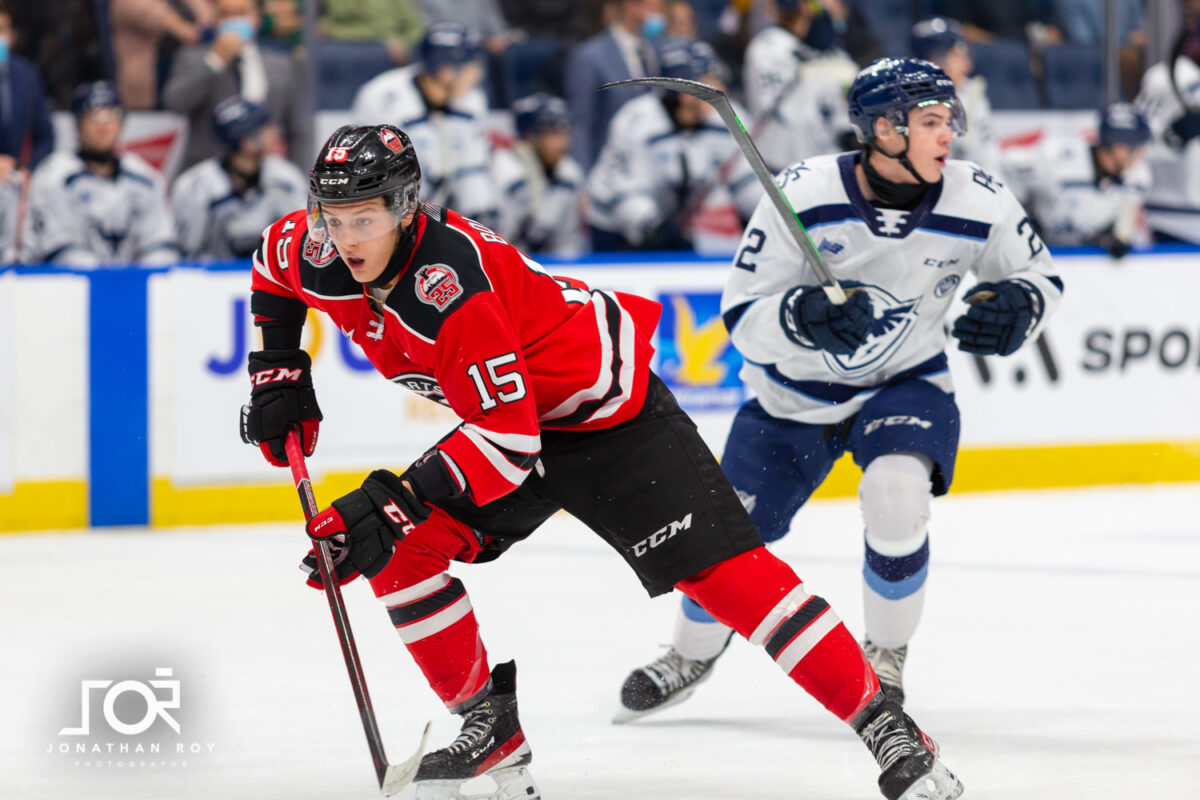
x: 894, y: 593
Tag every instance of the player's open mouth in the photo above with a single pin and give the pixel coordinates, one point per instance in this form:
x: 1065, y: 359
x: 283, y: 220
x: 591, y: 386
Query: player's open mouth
x: 355, y: 263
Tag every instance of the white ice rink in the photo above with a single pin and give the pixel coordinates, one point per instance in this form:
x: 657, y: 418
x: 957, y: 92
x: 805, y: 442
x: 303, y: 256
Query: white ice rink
x: 1059, y: 658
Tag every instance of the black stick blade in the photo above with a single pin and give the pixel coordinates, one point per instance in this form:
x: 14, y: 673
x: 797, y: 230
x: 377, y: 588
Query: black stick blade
x: 695, y: 88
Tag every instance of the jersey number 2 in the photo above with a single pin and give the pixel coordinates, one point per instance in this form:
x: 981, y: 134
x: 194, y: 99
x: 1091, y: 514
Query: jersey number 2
x: 754, y: 244
x: 509, y: 386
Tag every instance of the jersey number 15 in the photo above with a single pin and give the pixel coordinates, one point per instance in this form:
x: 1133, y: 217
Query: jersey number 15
x: 509, y: 386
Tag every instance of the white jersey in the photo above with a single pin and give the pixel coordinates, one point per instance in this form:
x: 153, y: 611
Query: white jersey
x: 979, y: 143
x: 911, y: 262
x: 77, y: 218
x: 540, y: 211
x: 451, y: 144
x: 1056, y: 179
x: 796, y: 97
x: 213, y: 221
x: 651, y: 174
x: 1173, y: 203
x: 10, y: 208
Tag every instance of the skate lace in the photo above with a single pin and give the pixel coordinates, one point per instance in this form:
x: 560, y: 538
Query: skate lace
x: 673, y: 671
x: 477, y: 724
x: 889, y: 739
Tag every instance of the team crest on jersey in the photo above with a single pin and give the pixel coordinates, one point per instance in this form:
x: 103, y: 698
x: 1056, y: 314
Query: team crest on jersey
x: 318, y: 249
x: 894, y: 321
x: 423, y: 385
x: 438, y: 285
x: 945, y: 286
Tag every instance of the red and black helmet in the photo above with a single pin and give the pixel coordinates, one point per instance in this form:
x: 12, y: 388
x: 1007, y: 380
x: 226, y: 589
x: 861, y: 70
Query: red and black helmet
x: 361, y: 162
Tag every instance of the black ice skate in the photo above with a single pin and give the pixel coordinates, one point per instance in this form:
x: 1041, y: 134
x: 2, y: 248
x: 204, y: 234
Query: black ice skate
x: 491, y: 743
x: 667, y: 681
x: 889, y: 666
x: 908, y: 758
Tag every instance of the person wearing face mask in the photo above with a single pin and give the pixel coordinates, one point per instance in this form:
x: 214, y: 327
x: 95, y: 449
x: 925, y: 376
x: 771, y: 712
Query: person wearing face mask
x: 26, y: 133
x: 620, y: 52
x: 233, y: 64
x: 900, y: 226
x: 95, y: 206
x: 439, y: 101
x: 222, y: 204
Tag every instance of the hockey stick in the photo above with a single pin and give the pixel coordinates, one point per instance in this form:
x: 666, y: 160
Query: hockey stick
x: 717, y: 99
x: 392, y: 777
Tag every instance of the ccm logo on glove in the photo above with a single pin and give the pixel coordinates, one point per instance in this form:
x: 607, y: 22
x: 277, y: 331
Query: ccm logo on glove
x: 272, y: 375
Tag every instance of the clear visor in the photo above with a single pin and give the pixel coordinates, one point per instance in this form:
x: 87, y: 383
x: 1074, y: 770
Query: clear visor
x: 349, y: 226
x: 958, y: 115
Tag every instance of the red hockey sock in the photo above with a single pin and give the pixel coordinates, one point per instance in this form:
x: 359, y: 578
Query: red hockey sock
x: 432, y: 612
x: 761, y: 598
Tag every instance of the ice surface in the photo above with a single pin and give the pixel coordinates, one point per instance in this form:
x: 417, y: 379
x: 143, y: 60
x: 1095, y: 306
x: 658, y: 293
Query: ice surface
x: 1058, y: 658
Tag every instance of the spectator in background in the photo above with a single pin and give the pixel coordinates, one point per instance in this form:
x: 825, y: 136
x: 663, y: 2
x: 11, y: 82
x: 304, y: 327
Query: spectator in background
x: 667, y: 161
x: 680, y: 20
x: 26, y: 133
x: 1170, y: 99
x: 138, y: 28
x: 223, y: 204
x: 1084, y: 192
x: 233, y: 64
x: 618, y: 53
x: 283, y: 24
x: 797, y: 95
x: 944, y: 42
x: 440, y: 105
x: 541, y: 187
x: 63, y: 40
x: 395, y: 22
x: 95, y: 207
x: 985, y: 21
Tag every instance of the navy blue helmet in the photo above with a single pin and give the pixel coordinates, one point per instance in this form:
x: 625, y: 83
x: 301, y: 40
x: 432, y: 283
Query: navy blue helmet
x: 447, y: 44
x: 236, y: 118
x: 891, y: 87
x: 90, y: 96
x: 540, y: 112
x: 1121, y: 123
x: 689, y: 59
x: 933, y: 37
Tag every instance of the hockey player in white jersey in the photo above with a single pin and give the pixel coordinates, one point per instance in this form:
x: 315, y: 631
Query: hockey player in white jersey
x: 1170, y: 99
x: 669, y: 162
x: 796, y: 94
x: 540, y: 185
x: 900, y: 227
x: 942, y: 41
x: 1084, y: 192
x: 97, y: 206
x: 439, y: 103
x: 223, y: 204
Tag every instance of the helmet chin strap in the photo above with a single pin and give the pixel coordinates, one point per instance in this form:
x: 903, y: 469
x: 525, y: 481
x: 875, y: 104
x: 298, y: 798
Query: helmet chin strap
x: 891, y: 192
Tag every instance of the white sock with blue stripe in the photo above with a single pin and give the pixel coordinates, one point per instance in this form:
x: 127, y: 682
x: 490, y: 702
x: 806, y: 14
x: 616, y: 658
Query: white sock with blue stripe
x: 697, y: 635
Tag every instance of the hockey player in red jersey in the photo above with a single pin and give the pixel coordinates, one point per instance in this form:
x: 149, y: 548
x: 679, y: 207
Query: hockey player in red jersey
x: 559, y: 410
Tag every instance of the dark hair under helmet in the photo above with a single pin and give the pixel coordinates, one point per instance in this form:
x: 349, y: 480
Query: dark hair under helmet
x: 359, y: 163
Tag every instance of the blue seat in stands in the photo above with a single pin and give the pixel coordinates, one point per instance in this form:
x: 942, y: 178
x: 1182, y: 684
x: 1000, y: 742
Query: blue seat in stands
x: 343, y: 66
x: 1073, y: 75
x: 1009, y: 74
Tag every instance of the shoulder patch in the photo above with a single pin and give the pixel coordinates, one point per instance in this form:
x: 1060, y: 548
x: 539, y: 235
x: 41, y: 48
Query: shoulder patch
x: 437, y: 285
x: 318, y: 248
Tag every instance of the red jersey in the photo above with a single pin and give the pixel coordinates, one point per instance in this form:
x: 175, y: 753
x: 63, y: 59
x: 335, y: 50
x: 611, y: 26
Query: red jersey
x: 476, y: 325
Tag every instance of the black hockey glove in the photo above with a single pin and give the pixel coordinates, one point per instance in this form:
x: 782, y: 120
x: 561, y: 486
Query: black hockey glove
x: 1185, y: 128
x: 342, y: 570
x: 1116, y: 247
x: 810, y: 319
x: 281, y: 397
x: 999, y: 322
x: 369, y: 521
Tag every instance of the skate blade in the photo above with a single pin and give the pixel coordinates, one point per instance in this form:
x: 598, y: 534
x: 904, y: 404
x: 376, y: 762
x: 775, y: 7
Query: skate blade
x: 397, y: 776
x: 625, y: 714
x: 512, y: 783
x: 938, y: 784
